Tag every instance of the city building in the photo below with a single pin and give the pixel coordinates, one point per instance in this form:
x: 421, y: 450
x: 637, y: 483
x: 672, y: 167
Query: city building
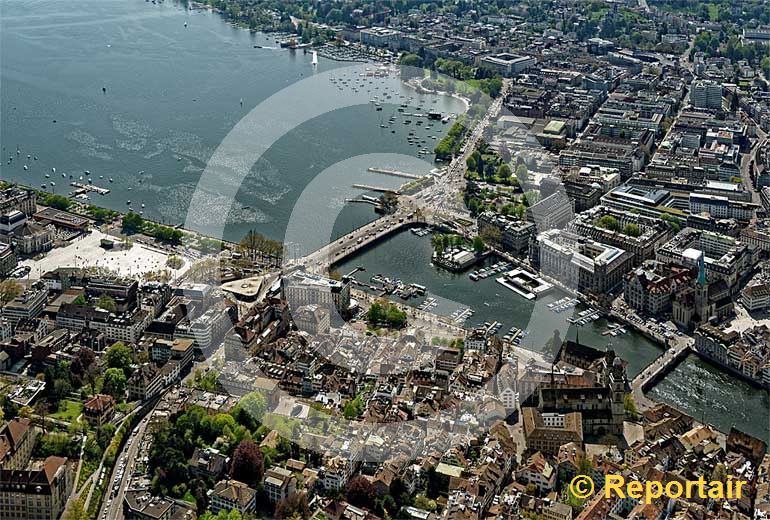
x: 548, y: 432
x: 553, y: 211
x: 725, y: 258
x: 98, y: 410
x: 40, y: 492
x: 17, y: 440
x: 278, y: 483
x: 29, y: 304
x: 507, y: 64
x: 208, y: 463
x: 706, y: 94
x: 229, y: 495
x: 514, y: 234
x: 580, y: 263
x: 7, y: 259
x: 127, y: 327
x: 638, y: 234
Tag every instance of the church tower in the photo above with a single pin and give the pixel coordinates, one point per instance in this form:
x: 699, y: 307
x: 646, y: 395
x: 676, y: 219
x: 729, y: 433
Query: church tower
x: 618, y: 383
x: 702, y: 291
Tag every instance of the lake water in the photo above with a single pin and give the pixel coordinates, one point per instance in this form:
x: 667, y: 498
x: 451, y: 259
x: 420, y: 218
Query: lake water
x: 173, y: 93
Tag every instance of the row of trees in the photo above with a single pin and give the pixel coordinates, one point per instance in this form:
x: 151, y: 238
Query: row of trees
x: 135, y: 223
x: 442, y: 242
x: 451, y: 143
x: 256, y: 246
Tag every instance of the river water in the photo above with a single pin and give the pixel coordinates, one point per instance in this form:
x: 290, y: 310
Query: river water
x: 172, y: 93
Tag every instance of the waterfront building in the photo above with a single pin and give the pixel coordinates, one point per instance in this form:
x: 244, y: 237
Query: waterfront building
x: 62, y: 219
x: 515, y: 234
x: 302, y: 288
x: 745, y: 353
x: 27, y: 237
x: 650, y: 287
x: 455, y: 258
x: 15, y: 198
x: 580, y: 263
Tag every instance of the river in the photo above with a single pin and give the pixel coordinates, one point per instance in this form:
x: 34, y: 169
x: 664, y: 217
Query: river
x: 726, y: 400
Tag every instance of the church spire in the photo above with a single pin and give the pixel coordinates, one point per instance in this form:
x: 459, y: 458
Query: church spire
x: 702, y: 269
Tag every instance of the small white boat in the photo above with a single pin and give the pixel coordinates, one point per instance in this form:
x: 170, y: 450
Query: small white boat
x: 25, y: 167
x: 53, y: 170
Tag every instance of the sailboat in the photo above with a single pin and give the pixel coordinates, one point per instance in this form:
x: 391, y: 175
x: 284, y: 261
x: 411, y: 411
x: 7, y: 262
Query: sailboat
x: 314, y: 62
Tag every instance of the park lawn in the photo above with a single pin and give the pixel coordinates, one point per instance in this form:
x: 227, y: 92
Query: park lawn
x: 68, y: 411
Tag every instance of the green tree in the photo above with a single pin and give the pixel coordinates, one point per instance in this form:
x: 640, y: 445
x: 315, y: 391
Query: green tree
x: 118, y: 356
x: 478, y: 244
x: 133, y: 222
x: 608, y: 222
x: 250, y: 410
x: 632, y: 230
x: 504, y: 171
x: 107, y: 303
x: 114, y: 383
x: 59, y: 202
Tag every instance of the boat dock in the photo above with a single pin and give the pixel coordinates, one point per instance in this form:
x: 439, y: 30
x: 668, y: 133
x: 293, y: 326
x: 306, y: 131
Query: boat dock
x: 395, y: 173
x: 82, y: 188
x: 375, y: 188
